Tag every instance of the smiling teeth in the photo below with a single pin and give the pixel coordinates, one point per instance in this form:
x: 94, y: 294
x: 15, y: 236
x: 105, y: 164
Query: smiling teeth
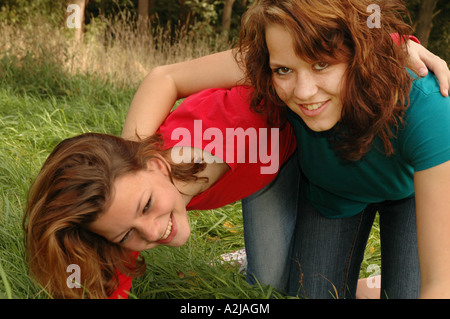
x: 312, y: 107
x: 168, y: 230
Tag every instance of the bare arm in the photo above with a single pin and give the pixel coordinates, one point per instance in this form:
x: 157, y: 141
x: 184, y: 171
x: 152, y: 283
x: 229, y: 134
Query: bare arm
x: 164, y: 85
x: 433, y: 230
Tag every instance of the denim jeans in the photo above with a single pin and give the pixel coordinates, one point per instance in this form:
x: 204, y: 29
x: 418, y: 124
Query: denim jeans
x: 292, y: 247
x: 269, y: 223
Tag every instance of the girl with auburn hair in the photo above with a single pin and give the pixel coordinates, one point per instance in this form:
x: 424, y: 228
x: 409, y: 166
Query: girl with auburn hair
x: 82, y: 206
x: 72, y: 188
x: 372, y: 138
x: 332, y: 32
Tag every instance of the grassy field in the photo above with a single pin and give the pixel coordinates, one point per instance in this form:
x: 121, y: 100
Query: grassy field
x: 51, y: 90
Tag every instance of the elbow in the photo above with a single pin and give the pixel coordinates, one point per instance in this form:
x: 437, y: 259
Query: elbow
x: 164, y: 76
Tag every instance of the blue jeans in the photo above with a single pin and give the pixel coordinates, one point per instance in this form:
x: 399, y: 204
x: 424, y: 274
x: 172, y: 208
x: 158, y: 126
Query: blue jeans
x: 269, y: 223
x: 292, y: 247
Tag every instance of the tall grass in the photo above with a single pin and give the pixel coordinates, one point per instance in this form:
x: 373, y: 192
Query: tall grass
x: 111, y: 48
x: 51, y: 88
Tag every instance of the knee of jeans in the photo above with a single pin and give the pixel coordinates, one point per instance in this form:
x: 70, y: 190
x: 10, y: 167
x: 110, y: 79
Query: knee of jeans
x: 276, y: 279
x: 268, y: 268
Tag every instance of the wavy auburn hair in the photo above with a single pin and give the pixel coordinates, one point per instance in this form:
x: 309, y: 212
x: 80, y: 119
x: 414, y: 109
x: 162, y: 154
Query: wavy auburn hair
x: 376, y: 84
x: 73, y: 187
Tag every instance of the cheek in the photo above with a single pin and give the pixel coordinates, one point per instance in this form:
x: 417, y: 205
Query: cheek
x: 335, y: 88
x: 339, y: 81
x: 283, y: 89
x: 173, y: 199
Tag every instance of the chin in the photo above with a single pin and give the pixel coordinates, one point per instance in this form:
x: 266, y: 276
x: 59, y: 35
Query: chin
x: 320, y: 126
x: 186, y: 237
x: 182, y: 239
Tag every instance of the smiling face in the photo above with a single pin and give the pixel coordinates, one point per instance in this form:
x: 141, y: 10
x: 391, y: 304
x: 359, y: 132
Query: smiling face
x: 146, y: 211
x: 311, y: 89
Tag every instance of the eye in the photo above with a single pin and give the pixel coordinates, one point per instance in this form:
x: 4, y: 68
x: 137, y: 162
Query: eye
x: 130, y: 232
x: 282, y: 71
x: 147, y: 206
x: 127, y: 235
x: 319, y: 66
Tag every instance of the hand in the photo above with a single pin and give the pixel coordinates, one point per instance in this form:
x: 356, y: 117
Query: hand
x: 419, y: 59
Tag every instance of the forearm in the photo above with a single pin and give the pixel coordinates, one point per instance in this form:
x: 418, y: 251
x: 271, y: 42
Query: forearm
x: 437, y: 290
x: 164, y: 85
x: 432, y: 187
x: 150, y: 106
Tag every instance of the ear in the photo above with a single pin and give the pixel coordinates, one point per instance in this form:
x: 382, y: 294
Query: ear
x: 159, y: 164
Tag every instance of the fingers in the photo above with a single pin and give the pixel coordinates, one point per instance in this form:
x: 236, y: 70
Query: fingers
x: 440, y: 69
x: 414, y: 61
x: 420, y: 57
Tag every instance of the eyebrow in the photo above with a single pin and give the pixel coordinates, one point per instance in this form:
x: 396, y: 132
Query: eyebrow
x: 137, y: 212
x: 273, y: 63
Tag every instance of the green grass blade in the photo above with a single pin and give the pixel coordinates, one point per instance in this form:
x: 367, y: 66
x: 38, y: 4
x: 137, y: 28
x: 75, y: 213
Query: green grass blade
x: 5, y: 282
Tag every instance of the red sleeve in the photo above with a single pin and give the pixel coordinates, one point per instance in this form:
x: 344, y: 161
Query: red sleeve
x: 124, y: 286
x: 396, y: 37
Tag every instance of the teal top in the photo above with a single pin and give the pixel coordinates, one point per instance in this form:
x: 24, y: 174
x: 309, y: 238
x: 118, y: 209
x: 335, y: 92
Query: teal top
x: 343, y: 189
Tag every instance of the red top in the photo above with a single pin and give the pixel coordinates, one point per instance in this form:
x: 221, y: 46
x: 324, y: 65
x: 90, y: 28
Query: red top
x: 220, y: 121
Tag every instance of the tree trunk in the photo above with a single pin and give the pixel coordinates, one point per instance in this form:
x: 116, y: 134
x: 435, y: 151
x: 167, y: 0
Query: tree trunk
x: 152, y: 10
x: 226, y: 17
x: 425, y: 20
x: 143, y: 6
x: 143, y: 18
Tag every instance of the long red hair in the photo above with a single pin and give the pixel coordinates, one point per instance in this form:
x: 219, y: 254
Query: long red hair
x: 73, y: 187
x: 375, y: 94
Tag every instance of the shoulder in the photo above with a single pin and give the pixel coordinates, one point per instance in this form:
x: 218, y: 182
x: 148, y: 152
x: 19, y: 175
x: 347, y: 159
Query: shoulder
x: 219, y: 97
x: 426, y: 99
x: 425, y: 135
x: 221, y: 108
x: 426, y: 88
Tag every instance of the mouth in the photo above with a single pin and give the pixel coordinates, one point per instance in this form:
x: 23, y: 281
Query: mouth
x: 313, y: 106
x: 168, y: 229
x: 313, y: 109
x: 169, y: 233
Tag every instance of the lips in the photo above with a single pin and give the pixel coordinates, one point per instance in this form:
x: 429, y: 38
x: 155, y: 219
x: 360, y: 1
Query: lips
x: 170, y: 232
x: 313, y: 109
x: 313, y: 106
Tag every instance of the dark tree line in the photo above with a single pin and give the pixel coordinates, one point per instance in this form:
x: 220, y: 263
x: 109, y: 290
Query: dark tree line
x: 430, y: 18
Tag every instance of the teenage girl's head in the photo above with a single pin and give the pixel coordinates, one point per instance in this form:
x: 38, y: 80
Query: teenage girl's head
x: 79, y: 208
x: 332, y: 62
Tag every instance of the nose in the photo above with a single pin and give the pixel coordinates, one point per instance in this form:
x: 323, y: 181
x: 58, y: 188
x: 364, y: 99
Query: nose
x: 305, y: 86
x: 149, y: 229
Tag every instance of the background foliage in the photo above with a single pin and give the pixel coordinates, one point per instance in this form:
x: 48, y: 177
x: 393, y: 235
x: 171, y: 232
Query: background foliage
x: 202, y: 16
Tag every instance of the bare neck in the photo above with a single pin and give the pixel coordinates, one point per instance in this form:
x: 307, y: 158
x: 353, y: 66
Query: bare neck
x: 214, y: 171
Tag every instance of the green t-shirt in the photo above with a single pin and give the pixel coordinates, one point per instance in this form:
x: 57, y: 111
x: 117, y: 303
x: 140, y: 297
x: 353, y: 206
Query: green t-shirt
x: 343, y: 189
